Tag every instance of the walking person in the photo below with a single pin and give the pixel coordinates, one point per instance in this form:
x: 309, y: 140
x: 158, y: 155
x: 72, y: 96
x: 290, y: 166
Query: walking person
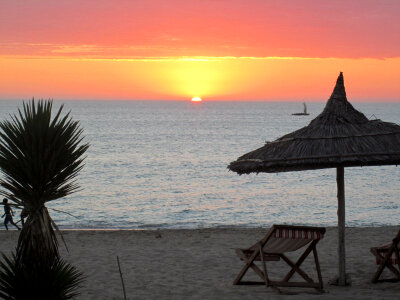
x: 24, y: 214
x: 8, y: 212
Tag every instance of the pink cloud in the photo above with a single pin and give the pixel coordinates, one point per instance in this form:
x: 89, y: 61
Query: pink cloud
x: 359, y: 28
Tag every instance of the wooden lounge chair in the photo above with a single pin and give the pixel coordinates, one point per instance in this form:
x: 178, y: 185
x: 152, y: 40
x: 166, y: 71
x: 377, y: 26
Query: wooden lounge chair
x: 279, y: 240
x: 387, y: 256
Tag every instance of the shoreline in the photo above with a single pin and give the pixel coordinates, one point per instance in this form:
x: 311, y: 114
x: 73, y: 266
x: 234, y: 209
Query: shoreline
x: 228, y: 227
x: 201, y: 263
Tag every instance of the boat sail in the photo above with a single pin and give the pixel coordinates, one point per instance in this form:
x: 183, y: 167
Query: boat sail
x: 305, y: 113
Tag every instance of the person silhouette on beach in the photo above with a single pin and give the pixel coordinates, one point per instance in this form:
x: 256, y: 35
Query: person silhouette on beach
x: 24, y: 214
x: 8, y: 212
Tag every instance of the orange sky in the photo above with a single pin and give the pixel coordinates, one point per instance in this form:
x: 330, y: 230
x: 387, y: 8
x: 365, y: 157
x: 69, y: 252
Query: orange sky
x: 215, y: 49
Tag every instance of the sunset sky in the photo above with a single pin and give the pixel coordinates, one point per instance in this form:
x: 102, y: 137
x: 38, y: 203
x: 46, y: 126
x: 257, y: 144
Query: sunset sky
x: 214, y: 49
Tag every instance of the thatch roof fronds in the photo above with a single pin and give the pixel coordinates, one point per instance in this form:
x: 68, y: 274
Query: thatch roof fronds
x: 339, y: 136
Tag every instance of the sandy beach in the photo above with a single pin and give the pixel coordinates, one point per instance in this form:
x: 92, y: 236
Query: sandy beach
x: 201, y: 264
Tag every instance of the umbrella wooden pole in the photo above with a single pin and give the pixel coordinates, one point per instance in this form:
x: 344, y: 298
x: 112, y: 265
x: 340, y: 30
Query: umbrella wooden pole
x: 341, y: 226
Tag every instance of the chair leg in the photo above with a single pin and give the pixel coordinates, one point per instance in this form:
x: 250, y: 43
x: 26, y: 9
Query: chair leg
x: 249, y: 263
x: 321, y: 284
x: 380, y: 270
x: 295, y: 268
x: 264, y: 266
x: 386, y: 263
x: 381, y: 267
x: 298, y: 263
x: 378, y: 273
x: 398, y: 259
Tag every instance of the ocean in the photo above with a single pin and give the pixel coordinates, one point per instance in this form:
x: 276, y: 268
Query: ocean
x: 163, y: 164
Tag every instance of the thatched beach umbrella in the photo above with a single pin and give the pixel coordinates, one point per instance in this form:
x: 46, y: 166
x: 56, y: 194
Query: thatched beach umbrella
x: 339, y: 137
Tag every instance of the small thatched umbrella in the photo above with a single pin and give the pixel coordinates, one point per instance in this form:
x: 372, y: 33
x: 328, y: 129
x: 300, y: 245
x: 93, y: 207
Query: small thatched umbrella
x: 339, y: 137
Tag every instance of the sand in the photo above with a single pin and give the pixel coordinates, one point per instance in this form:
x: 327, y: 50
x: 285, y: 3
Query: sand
x: 201, y: 264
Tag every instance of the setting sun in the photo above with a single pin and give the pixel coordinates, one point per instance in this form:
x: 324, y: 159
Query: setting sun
x: 196, y: 99
x: 217, y: 50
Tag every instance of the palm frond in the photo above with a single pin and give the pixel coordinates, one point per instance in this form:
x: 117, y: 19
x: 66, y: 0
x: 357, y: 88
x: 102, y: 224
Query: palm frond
x: 59, y: 281
x: 40, y: 156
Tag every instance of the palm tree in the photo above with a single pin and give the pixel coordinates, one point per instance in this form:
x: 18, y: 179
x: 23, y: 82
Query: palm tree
x: 40, y: 157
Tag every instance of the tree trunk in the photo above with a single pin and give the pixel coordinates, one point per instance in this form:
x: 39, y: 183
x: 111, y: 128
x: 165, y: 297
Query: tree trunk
x: 37, y: 242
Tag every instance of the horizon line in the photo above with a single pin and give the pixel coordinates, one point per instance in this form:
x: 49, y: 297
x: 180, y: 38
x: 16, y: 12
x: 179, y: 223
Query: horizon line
x: 203, y: 100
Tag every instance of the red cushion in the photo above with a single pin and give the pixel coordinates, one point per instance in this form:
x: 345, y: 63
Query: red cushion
x: 298, y: 234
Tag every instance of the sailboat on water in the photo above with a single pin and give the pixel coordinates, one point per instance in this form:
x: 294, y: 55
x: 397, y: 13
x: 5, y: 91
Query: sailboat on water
x: 305, y: 113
